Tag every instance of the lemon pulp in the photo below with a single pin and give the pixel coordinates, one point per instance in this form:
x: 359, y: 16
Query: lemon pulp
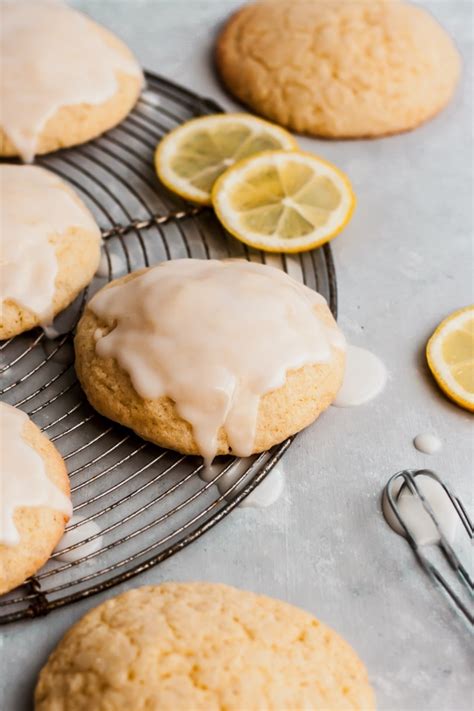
x: 285, y: 201
x: 458, y: 353
x: 289, y: 202
x: 191, y: 158
x: 450, y: 355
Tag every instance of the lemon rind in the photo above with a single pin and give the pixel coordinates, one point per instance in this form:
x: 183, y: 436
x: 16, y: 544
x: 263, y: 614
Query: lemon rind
x: 446, y: 382
x: 182, y: 187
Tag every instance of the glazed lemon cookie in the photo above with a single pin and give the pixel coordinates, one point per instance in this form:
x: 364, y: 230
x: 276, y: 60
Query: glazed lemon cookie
x: 34, y: 504
x: 210, y: 357
x: 205, y: 647
x: 50, y: 247
x: 339, y: 68
x: 65, y: 79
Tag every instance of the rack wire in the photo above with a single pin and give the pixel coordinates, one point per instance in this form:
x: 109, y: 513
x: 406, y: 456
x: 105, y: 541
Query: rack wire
x: 148, y: 502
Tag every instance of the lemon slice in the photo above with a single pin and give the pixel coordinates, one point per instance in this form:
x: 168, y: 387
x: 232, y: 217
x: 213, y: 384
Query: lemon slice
x: 450, y: 355
x: 190, y: 159
x: 283, y: 201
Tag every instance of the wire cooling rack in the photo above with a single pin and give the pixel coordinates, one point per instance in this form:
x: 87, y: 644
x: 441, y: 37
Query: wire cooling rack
x: 148, y: 502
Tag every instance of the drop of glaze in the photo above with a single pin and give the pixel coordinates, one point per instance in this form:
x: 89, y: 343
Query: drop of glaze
x: 413, y: 513
x: 64, y: 353
x: 264, y: 495
x: 365, y: 377
x: 50, y: 332
x: 427, y: 443
x: 87, y: 529
x: 268, y: 491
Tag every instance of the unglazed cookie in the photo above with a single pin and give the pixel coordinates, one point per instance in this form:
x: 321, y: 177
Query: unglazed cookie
x: 50, y: 247
x: 35, y: 502
x: 338, y: 68
x: 201, y: 647
x: 65, y: 79
x: 210, y: 357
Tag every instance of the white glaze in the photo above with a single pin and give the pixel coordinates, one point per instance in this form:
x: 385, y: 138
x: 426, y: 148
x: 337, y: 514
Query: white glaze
x: 50, y: 332
x: 23, y: 477
x: 36, y: 205
x: 52, y: 56
x: 87, y: 529
x: 264, y: 495
x: 268, y: 491
x: 116, y: 265
x: 427, y: 443
x: 364, y: 378
x: 417, y: 520
x: 214, y: 336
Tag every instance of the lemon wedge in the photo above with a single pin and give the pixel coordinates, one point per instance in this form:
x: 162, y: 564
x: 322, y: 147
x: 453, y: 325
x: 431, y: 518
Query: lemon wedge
x: 450, y: 355
x: 191, y: 157
x: 283, y: 201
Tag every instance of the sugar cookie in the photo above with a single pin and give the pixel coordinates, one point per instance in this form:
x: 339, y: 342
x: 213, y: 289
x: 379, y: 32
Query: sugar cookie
x: 50, y: 247
x: 205, y: 647
x: 210, y: 357
x: 338, y: 68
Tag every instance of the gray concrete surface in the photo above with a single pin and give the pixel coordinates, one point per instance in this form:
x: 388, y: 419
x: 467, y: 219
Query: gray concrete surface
x: 403, y: 264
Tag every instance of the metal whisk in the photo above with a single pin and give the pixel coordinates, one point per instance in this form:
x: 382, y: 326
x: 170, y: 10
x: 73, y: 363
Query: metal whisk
x: 407, y: 478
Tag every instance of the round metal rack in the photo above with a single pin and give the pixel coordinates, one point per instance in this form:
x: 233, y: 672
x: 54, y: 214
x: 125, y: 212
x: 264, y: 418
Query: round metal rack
x: 148, y: 502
